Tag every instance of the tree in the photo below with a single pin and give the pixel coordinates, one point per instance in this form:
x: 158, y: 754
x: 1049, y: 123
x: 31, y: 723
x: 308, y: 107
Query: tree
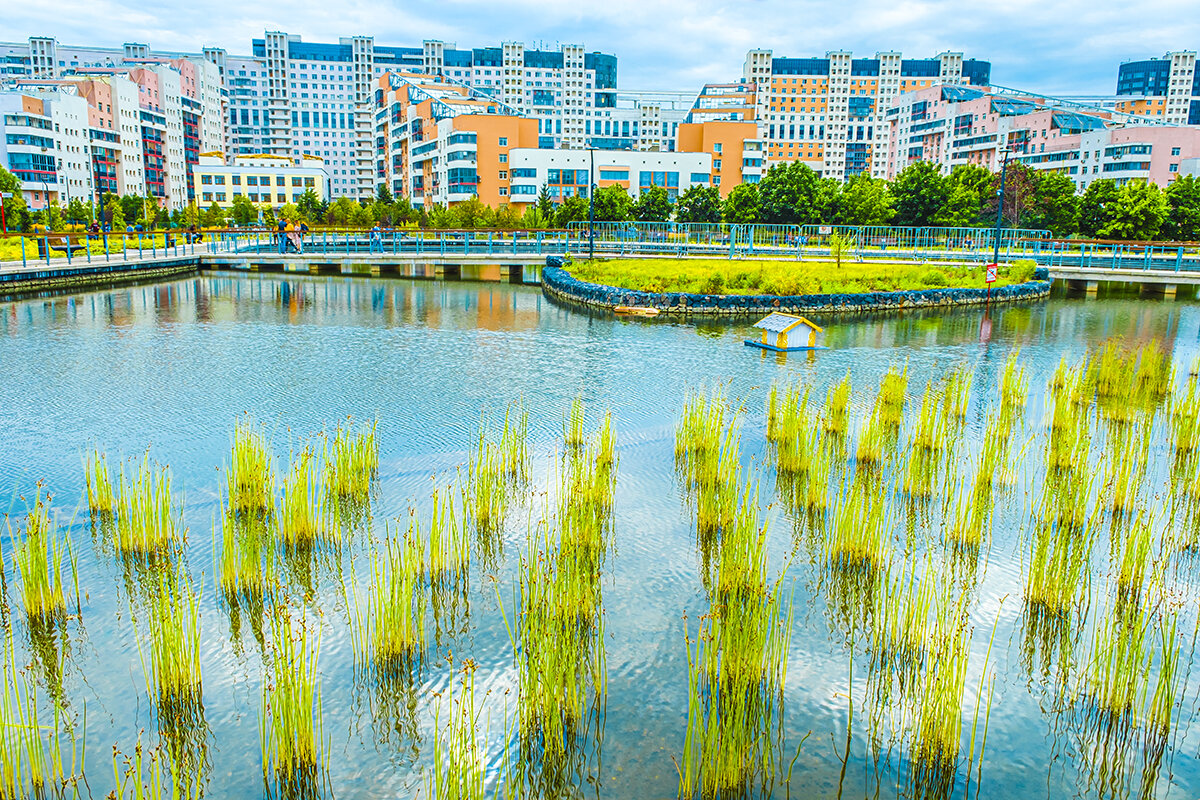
x: 1055, y: 204
x: 544, y: 204
x: 742, y: 206
x: 699, y: 204
x: 921, y: 193
x: 613, y: 204
x: 507, y: 218
x: 214, y: 217
x: 790, y: 194
x: 15, y: 212
x: 191, y: 214
x: 341, y: 212
x: 1020, y: 189
x: 243, y: 211
x: 383, y: 195
x: 310, y: 206
x: 1137, y: 213
x: 289, y: 212
x: 1183, y: 219
x: 653, y: 205
x: 268, y: 216
x: 160, y: 218
x: 573, y: 209
x: 471, y: 213
x: 115, y: 212
x: 1094, y: 206
x: 77, y: 212
x: 533, y: 218
x: 863, y: 201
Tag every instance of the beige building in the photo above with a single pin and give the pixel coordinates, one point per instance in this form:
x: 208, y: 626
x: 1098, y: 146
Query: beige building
x: 263, y: 178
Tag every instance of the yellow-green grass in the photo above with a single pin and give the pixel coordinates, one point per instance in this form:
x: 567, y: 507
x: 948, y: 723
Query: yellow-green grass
x: 38, y: 556
x: 774, y: 277
x: 290, y: 718
x: 10, y: 247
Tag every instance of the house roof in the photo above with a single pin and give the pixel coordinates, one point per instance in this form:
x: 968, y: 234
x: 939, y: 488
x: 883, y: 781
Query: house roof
x: 782, y: 323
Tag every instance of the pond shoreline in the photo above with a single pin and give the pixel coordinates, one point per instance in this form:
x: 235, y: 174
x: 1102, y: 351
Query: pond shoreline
x: 558, y: 284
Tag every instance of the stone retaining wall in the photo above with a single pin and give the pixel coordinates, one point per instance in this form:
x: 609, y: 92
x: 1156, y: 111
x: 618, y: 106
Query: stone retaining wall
x: 16, y: 284
x: 559, y: 284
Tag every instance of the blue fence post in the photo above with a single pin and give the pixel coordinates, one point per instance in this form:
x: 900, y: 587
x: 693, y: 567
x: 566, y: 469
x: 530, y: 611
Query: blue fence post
x: 46, y: 247
x: 1178, y: 258
x: 24, y: 264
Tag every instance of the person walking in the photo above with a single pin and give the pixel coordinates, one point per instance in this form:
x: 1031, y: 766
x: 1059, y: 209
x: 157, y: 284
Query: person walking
x: 376, y: 238
x: 282, y: 228
x: 303, y: 233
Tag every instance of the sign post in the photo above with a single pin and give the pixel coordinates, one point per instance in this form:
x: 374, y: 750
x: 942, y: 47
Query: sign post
x: 991, y: 278
x: 3, y: 223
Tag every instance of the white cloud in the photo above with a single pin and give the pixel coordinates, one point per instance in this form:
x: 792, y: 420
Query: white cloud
x: 1062, y: 47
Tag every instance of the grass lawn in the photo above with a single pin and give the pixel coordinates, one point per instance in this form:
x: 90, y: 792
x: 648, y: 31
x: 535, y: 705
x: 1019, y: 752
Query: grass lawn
x: 724, y: 276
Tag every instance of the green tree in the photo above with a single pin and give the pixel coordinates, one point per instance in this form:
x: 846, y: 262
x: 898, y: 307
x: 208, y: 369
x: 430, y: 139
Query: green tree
x: 653, y: 205
x: 191, y: 214
x: 699, y: 204
x: 383, y: 195
x: 1094, y: 206
x: 15, y: 211
x: 533, y: 218
x: 115, y: 212
x: 863, y: 201
x: 507, y: 218
x: 341, y: 212
x: 544, y: 204
x: 1055, y: 204
x: 310, y: 206
x: 1137, y: 213
x: 742, y: 206
x: 1020, y: 189
x: 289, y: 212
x: 77, y: 212
x: 470, y: 213
x: 268, y: 216
x: 243, y: 211
x: 921, y: 193
x: 572, y: 209
x: 214, y: 217
x: 363, y: 216
x: 790, y: 194
x: 1183, y: 220
x: 613, y: 204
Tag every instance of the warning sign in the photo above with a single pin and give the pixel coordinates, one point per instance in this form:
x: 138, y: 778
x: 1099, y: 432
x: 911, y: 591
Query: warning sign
x: 991, y: 273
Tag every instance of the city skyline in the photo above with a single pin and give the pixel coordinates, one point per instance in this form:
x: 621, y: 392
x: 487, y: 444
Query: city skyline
x: 1065, y: 49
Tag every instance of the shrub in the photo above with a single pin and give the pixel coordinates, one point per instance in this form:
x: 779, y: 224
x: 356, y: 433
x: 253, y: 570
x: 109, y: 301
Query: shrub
x: 713, y: 284
x: 1022, y: 271
x: 934, y: 277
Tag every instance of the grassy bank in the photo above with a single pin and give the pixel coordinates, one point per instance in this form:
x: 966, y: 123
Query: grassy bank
x: 784, y: 277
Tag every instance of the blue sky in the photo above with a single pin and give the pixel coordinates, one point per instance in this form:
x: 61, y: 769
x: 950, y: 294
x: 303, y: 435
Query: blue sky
x: 1036, y: 45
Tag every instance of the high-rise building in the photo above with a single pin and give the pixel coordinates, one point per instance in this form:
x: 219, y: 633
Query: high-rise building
x: 954, y: 125
x: 829, y: 112
x: 1166, y: 88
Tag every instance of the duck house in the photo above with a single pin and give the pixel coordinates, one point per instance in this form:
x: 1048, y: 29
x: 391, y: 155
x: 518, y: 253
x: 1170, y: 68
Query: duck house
x: 784, y: 332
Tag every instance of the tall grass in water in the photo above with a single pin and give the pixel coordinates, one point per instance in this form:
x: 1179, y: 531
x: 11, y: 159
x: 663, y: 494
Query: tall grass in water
x: 146, y: 525
x: 101, y: 500
x: 459, y: 764
x: 1014, y: 388
x: 38, y: 556
x: 514, y: 446
x: 251, y: 477
x: 302, y: 512
x: 573, y: 425
x: 736, y: 672
x: 390, y: 635
x: 351, y: 462
x: 835, y: 416
x: 889, y: 403
x: 294, y: 757
x: 246, y: 568
x: 487, y: 498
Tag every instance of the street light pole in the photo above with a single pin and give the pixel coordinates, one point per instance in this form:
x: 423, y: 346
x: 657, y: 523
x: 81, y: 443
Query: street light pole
x: 1000, y: 206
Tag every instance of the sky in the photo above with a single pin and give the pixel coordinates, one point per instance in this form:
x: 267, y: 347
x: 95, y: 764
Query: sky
x: 1058, y: 48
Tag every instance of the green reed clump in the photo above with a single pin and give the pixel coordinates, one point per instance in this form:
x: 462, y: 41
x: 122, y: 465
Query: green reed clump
x: 1014, y: 387
x: 38, y: 557
x: 955, y: 395
x: 1116, y: 680
x: 1185, y: 421
x: 392, y: 631
x: 1128, y: 457
x: 889, y: 403
x: 860, y: 538
x: 873, y: 439
x: 1125, y: 379
x: 1161, y: 709
x: 794, y: 436
x: 701, y: 429
x: 251, y: 476
x: 938, y: 729
x: 146, y: 525
x: 972, y: 519
x: 246, y: 569
x: 174, y: 630
x: 573, y: 425
x: 1134, y: 550
x: 931, y: 432
x: 835, y: 416
x: 715, y: 487
x: 900, y: 633
x: 293, y: 755
x: 351, y: 462
x: 449, y: 545
x: 1059, y: 560
x: 487, y: 492
x: 303, y: 509
x: 514, y: 447
x: 101, y: 500
x: 459, y: 764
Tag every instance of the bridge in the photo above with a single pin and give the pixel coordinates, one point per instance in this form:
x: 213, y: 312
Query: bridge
x: 50, y: 260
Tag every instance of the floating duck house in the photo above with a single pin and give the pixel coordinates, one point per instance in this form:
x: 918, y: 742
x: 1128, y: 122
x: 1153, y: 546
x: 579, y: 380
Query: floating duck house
x: 785, y: 332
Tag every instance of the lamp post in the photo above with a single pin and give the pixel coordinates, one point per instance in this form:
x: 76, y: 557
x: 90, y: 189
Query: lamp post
x: 1000, y: 206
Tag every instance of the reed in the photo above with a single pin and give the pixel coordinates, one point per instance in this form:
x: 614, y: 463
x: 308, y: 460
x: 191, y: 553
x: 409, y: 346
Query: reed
x: 972, y: 519
x: 303, y: 509
x: 487, y: 493
x: 514, y: 444
x: 1060, y: 560
x: 938, y: 730
x: 860, y: 538
x: 794, y: 436
x: 1116, y: 673
x: 391, y: 634
x: 889, y: 403
x: 38, y: 558
x: 1014, y: 387
x: 351, y: 462
x: 1185, y: 421
x: 246, y: 568
x: 1134, y: 559
x: 1161, y: 709
x: 250, y: 479
x: 174, y: 631
x: 293, y: 755
x: 449, y: 545
x: 101, y: 501
x: 146, y: 526
x: 930, y: 434
x: 459, y: 764
x: 900, y: 634
x: 573, y: 425
x: 956, y: 393
x: 835, y: 418
x: 700, y: 432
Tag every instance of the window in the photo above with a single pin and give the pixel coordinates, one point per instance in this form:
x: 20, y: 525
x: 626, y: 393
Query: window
x: 504, y: 158
x: 252, y: 180
x: 504, y: 141
x: 206, y: 180
x: 1174, y: 168
x: 220, y: 197
x: 281, y: 198
x: 614, y: 174
x: 504, y: 191
x: 503, y: 175
x: 279, y: 180
x: 295, y: 181
x: 1174, y: 151
x: 207, y: 197
x: 219, y: 180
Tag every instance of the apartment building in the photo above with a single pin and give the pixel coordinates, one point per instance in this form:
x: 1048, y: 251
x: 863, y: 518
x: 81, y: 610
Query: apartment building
x: 264, y: 178
x: 1166, y: 88
x: 830, y: 112
x: 567, y: 173
x: 953, y: 125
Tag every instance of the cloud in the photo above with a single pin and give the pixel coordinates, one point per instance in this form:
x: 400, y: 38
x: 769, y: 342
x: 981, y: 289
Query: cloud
x: 1056, y: 47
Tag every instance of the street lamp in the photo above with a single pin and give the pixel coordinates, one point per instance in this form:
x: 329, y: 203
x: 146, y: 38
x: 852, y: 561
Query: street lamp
x: 592, y: 204
x: 1000, y: 207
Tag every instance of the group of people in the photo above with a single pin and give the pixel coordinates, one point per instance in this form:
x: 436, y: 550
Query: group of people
x: 291, y: 236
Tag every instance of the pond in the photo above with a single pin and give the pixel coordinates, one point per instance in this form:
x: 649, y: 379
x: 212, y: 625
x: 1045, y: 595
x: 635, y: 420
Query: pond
x: 169, y: 369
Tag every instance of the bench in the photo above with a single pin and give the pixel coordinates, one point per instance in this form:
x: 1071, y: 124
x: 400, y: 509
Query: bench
x: 62, y: 244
